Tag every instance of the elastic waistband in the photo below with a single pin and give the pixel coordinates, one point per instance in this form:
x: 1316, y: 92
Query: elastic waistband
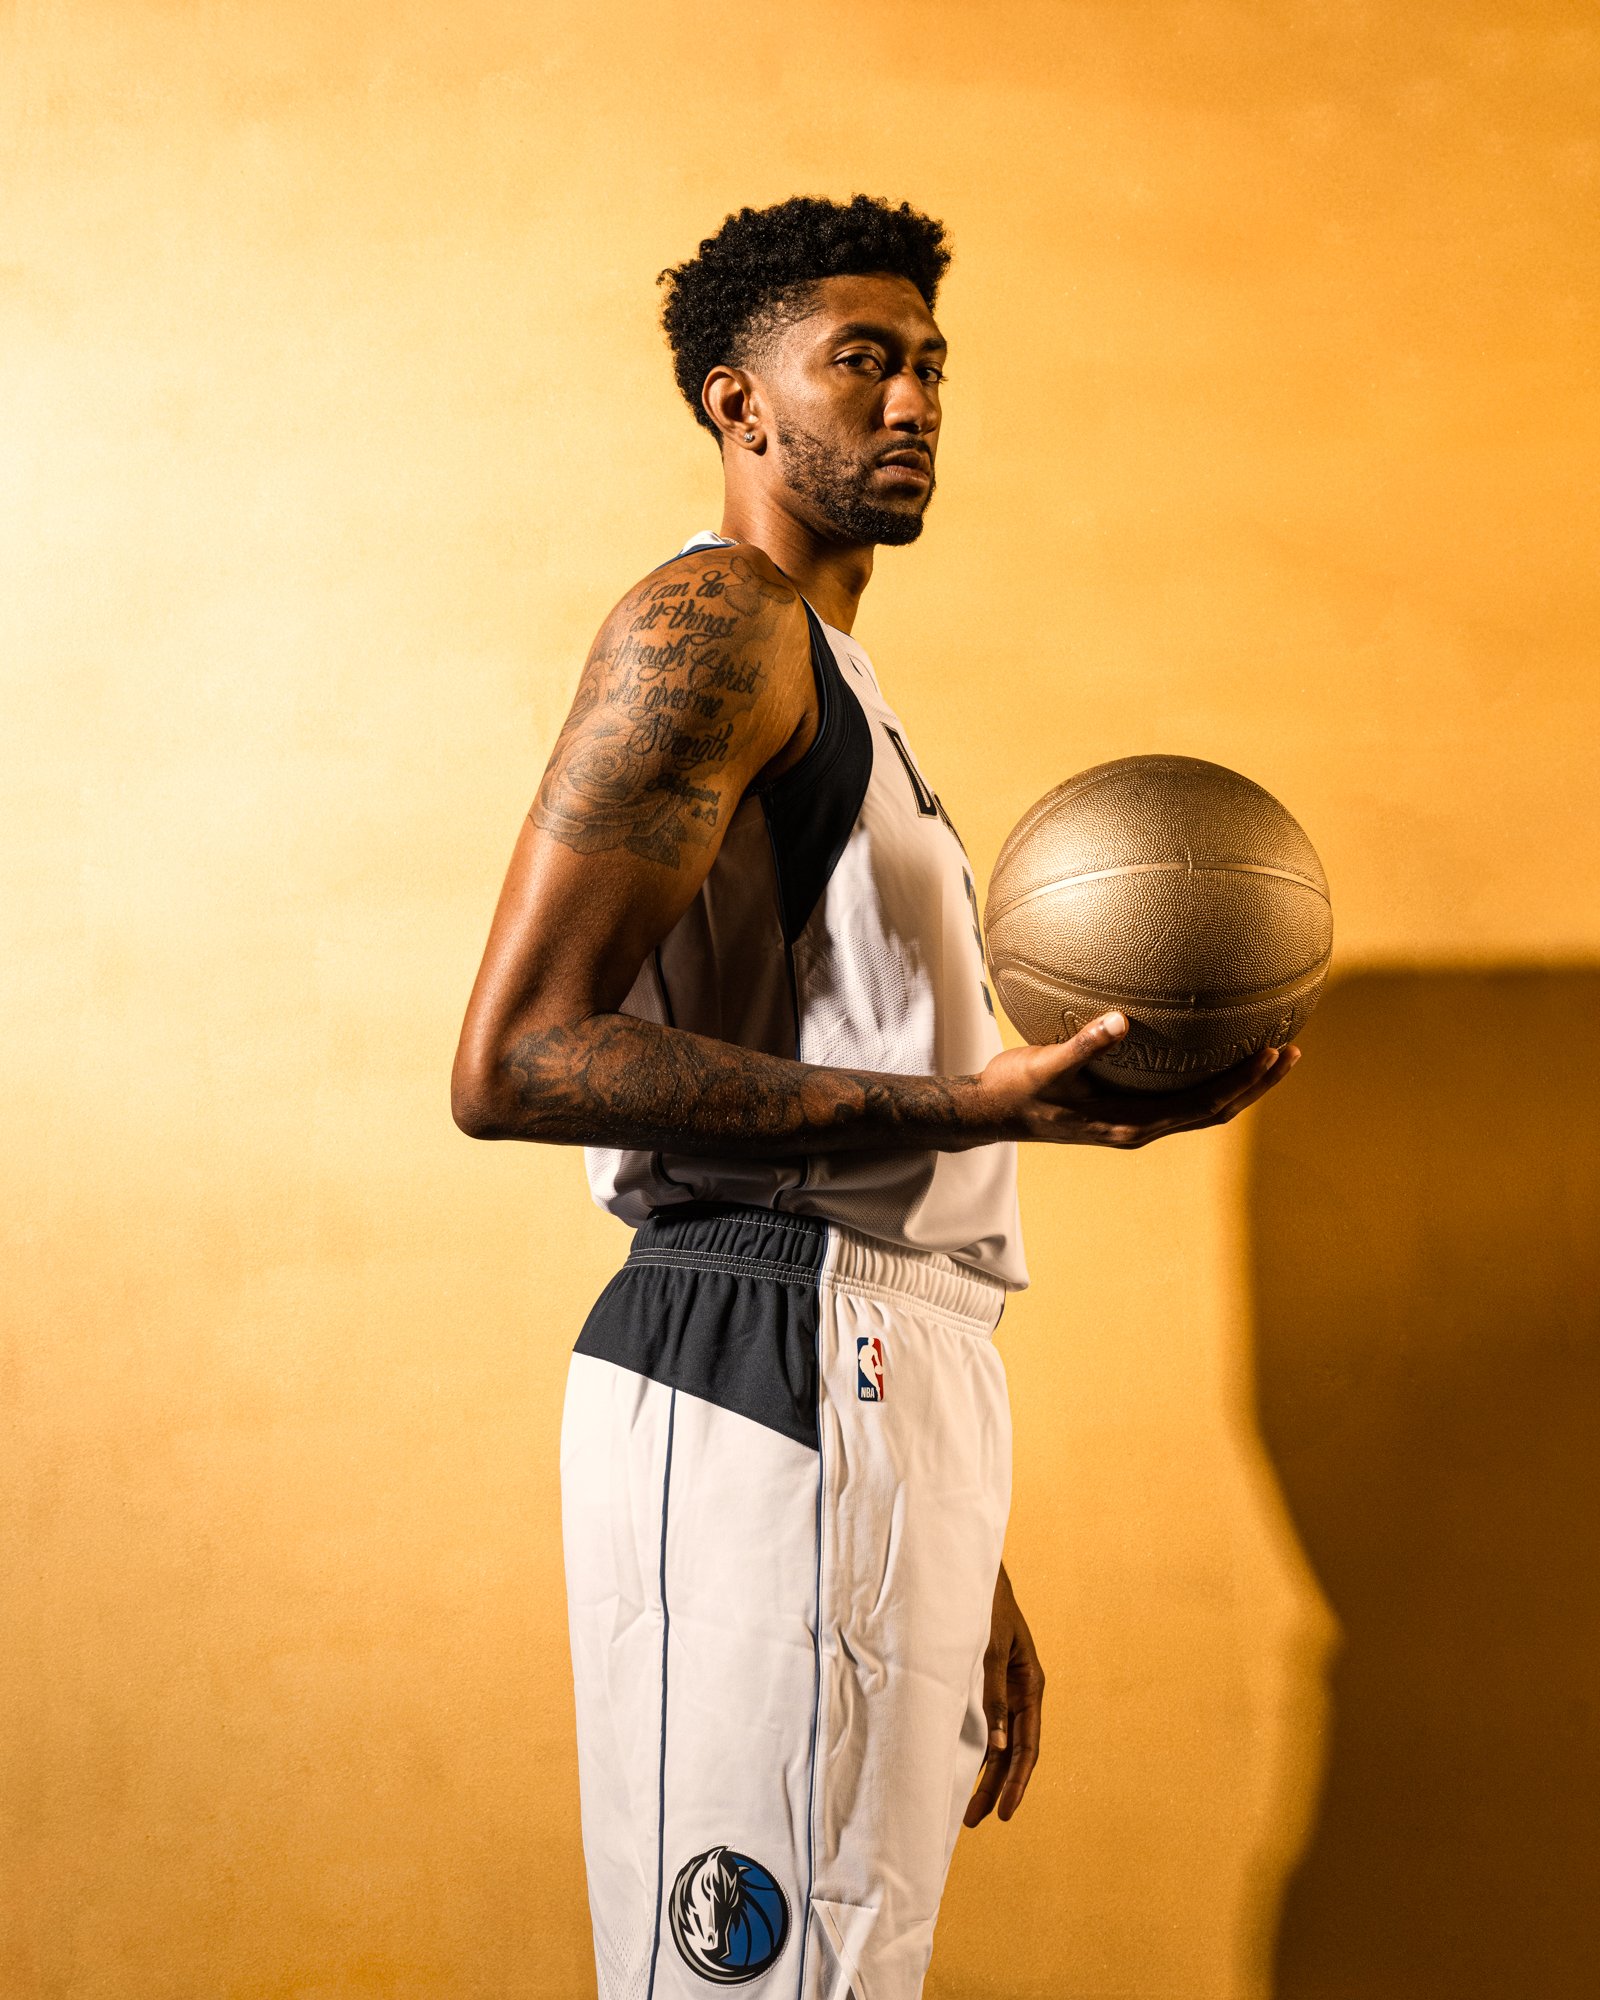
x: 807, y: 1250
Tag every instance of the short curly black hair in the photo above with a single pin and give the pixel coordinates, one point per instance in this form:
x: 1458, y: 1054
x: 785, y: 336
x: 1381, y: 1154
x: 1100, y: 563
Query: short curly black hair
x: 756, y: 272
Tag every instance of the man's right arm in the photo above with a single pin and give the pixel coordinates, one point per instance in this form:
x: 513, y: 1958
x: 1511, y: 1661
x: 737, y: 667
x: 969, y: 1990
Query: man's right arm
x: 698, y: 686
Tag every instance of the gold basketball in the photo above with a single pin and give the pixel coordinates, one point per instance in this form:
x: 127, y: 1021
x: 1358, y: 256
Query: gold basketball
x: 1175, y: 890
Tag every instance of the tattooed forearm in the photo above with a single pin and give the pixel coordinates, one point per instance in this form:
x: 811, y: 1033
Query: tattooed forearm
x: 679, y: 665
x: 615, y: 1081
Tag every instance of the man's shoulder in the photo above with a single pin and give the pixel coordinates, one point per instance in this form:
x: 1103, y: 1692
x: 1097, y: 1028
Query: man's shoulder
x: 733, y: 583
x: 708, y: 652
x: 723, y: 624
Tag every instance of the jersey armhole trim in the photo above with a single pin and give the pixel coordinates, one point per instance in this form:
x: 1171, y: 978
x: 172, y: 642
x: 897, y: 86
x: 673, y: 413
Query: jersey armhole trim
x: 811, y: 808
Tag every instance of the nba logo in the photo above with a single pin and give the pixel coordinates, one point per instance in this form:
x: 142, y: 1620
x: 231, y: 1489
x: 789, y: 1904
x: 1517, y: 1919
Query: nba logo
x: 869, y: 1368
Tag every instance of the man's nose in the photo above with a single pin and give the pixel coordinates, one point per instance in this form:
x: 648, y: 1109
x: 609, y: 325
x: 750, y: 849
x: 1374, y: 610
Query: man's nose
x: 908, y: 406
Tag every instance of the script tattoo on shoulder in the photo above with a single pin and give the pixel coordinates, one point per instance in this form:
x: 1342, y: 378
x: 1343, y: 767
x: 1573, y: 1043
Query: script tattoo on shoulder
x: 655, y: 716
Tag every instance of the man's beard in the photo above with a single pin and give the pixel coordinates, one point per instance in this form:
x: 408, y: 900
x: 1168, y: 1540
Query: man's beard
x: 836, y: 485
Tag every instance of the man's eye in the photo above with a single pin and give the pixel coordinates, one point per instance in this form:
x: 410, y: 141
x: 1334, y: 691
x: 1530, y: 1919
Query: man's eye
x: 932, y: 374
x: 850, y: 360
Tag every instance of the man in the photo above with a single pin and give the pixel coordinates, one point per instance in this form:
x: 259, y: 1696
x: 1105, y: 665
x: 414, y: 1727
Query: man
x: 737, y: 957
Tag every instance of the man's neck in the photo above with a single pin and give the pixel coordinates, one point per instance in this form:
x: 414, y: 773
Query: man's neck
x: 830, y: 576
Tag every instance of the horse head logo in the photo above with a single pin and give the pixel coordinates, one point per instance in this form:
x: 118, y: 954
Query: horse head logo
x: 730, y: 1919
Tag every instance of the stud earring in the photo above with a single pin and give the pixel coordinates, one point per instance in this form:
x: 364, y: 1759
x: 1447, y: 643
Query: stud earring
x: 749, y: 437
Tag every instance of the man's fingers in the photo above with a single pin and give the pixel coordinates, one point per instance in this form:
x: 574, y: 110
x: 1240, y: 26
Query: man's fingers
x: 1244, y: 1085
x: 995, y: 1709
x: 1287, y: 1058
x: 997, y: 1715
x: 1211, y: 1098
x: 1205, y: 1103
x: 1005, y: 1774
x: 987, y: 1789
x: 1215, y: 1100
x: 1024, y: 1754
x: 1088, y: 1042
x: 1222, y: 1106
x: 1070, y: 1103
x: 1060, y: 1068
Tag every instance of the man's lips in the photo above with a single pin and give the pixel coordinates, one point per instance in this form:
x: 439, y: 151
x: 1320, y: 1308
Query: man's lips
x: 917, y: 462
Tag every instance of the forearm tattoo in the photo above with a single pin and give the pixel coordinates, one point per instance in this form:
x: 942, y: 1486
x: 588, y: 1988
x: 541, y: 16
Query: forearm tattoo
x: 615, y: 1081
x: 682, y: 659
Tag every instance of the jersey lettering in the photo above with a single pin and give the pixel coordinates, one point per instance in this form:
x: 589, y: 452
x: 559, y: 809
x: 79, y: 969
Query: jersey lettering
x: 927, y: 804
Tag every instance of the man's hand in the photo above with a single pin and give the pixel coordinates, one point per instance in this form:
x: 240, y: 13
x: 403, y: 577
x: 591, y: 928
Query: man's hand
x: 1013, y: 1691
x: 1046, y: 1092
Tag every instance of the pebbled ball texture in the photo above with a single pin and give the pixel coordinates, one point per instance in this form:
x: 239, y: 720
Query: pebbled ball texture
x: 1175, y: 890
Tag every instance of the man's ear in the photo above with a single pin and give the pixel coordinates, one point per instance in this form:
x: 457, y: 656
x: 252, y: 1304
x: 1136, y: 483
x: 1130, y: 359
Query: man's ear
x: 734, y: 403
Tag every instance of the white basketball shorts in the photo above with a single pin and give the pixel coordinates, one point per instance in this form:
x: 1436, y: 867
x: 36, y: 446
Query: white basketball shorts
x: 785, y: 1472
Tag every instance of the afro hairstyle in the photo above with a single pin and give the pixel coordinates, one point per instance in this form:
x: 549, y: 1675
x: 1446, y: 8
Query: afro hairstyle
x: 756, y: 272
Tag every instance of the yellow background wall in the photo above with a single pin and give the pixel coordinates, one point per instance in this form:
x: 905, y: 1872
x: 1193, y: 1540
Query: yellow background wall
x: 335, y: 417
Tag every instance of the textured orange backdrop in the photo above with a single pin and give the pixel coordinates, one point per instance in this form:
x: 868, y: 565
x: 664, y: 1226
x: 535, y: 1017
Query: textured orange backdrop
x: 334, y: 418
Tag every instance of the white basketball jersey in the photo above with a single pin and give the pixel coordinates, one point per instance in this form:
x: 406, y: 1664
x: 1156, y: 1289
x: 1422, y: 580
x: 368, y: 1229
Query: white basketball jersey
x: 838, y: 925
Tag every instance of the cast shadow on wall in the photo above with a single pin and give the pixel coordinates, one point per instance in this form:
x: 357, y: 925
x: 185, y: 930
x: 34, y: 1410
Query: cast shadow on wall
x: 1425, y: 1252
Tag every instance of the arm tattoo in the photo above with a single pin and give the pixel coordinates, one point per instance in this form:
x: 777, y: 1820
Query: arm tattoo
x: 678, y: 668
x: 612, y: 1080
x: 679, y: 663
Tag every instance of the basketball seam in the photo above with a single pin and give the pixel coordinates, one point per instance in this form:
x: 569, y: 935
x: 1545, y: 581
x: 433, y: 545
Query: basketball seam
x: 993, y: 917
x: 1218, y: 997
x: 1071, y: 791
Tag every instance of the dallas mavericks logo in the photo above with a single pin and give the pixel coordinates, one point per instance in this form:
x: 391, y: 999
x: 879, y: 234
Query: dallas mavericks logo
x: 869, y: 1368
x: 729, y: 1917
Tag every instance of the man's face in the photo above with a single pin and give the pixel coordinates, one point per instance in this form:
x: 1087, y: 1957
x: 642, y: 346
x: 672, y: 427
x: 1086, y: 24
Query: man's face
x: 854, y: 387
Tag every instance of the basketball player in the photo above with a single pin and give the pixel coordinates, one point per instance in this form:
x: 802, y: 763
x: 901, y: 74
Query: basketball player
x: 737, y: 957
